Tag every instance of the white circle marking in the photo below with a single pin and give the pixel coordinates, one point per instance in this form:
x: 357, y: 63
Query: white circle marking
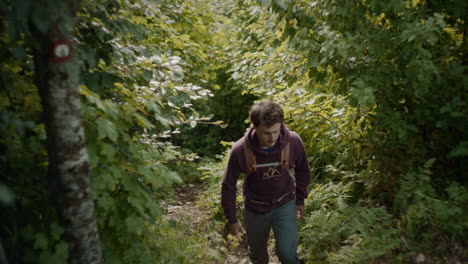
x: 62, y: 50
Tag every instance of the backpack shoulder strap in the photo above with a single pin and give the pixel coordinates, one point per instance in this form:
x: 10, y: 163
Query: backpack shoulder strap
x: 286, y: 163
x: 285, y: 157
x: 249, y: 158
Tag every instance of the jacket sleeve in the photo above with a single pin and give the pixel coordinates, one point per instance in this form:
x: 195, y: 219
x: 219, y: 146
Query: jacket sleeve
x: 301, y: 171
x: 228, y: 186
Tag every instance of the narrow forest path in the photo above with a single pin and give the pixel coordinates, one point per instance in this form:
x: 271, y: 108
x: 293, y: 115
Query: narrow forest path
x: 187, y: 210
x: 183, y: 208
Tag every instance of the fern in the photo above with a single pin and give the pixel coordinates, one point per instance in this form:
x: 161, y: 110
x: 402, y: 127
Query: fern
x: 335, y: 232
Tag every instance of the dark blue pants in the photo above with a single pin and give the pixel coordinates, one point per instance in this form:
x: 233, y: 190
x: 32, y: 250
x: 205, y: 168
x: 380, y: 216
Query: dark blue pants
x: 284, y: 224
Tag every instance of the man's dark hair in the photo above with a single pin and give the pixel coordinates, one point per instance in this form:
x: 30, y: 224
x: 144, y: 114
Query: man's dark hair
x: 266, y: 112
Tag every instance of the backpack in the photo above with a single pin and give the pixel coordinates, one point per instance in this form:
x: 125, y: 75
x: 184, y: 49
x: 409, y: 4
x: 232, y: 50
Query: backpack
x: 251, y: 162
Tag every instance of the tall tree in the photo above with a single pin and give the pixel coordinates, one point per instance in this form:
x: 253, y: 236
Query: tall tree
x: 57, y: 79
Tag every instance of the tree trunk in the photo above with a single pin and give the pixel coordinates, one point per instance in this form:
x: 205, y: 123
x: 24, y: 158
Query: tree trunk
x: 57, y: 79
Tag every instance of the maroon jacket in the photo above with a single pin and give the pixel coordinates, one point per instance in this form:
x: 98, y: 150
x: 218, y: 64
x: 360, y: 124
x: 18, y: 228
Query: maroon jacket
x: 266, y: 184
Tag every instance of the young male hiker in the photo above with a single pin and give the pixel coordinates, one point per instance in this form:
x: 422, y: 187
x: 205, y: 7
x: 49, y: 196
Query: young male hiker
x: 273, y: 198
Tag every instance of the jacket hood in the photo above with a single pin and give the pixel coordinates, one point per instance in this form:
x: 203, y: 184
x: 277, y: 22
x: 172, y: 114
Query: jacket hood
x: 252, y: 140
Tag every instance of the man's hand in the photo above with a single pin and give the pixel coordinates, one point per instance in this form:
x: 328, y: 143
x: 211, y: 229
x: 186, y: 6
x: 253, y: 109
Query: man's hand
x: 299, y: 211
x: 236, y: 229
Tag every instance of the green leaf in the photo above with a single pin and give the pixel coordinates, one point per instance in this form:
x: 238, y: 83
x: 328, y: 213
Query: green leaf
x: 40, y: 241
x: 6, y: 195
x: 108, y: 150
x: 265, y: 2
x: 174, y: 176
x: 40, y: 17
x: 142, y: 121
x: 461, y: 150
x: 165, y: 122
x: 106, y: 129
x: 281, y: 4
x: 56, y: 231
x: 106, y: 202
x: 150, y: 176
x: 61, y: 252
x: 59, y: 256
x: 134, y: 224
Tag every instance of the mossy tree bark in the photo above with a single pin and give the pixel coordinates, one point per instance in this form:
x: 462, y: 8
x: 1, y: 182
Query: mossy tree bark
x: 57, y: 79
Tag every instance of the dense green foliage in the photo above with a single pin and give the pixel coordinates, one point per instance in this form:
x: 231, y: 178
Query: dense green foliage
x: 376, y: 89
x: 143, y: 65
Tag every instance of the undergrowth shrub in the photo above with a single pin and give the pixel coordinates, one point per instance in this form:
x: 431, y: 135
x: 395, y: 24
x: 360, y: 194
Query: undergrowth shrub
x: 433, y: 219
x: 212, y: 174
x: 172, y: 245
x: 334, y: 231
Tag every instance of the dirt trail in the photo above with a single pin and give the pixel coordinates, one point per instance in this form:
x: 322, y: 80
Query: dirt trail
x: 185, y: 209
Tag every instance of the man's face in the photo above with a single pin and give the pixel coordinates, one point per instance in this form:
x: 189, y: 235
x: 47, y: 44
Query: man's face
x: 267, y: 136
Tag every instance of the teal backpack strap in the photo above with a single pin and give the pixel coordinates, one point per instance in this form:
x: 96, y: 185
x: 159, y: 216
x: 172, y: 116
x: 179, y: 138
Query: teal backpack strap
x: 249, y: 158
